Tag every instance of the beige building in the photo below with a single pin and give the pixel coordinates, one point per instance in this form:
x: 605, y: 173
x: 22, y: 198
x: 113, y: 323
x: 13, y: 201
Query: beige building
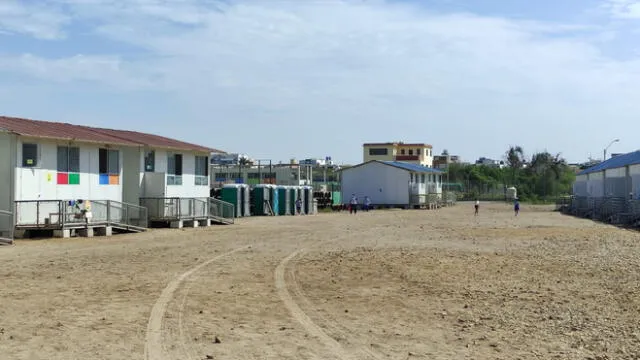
x: 421, y: 154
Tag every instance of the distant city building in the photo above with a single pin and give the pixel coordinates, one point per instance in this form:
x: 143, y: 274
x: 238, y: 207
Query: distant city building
x: 318, y: 162
x: 229, y: 159
x: 442, y: 161
x: 413, y: 153
x: 490, y: 162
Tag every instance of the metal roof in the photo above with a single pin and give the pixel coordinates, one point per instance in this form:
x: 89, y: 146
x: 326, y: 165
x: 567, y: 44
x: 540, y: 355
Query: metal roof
x: 70, y: 132
x: 412, y: 167
x: 619, y: 161
x: 399, y: 165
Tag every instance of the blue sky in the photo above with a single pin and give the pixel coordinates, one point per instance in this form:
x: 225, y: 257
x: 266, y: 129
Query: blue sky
x: 282, y: 79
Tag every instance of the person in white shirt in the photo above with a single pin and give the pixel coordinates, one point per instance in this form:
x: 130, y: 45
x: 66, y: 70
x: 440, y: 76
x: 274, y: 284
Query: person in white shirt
x: 353, y: 208
x: 477, y: 206
x: 367, y: 203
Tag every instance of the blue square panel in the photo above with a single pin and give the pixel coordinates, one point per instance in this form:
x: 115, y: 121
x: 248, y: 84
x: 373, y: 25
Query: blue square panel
x: 104, y: 179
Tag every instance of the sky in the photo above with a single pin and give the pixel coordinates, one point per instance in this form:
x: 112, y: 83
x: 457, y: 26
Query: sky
x: 299, y: 79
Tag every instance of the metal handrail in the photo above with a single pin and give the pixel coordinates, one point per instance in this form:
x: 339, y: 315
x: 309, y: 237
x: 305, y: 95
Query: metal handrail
x: 6, y: 230
x: 222, y: 210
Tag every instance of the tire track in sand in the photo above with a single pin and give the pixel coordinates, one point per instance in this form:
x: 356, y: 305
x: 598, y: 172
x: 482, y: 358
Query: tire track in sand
x: 310, y: 326
x: 154, y: 349
x: 299, y: 315
x: 330, y: 324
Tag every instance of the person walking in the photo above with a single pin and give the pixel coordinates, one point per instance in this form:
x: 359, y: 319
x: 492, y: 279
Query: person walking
x: 299, y: 206
x: 353, y: 208
x: 477, y: 207
x: 367, y: 203
x: 516, y: 207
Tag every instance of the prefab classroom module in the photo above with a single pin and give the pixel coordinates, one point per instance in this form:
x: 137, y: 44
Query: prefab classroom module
x: 391, y: 183
x: 48, y: 166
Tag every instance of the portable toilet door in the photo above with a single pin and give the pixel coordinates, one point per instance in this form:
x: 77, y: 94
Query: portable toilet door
x: 293, y: 195
x: 260, y: 195
x: 275, y: 200
x: 284, y: 200
x: 231, y: 194
x: 301, y: 196
x: 308, y: 199
x: 245, y: 204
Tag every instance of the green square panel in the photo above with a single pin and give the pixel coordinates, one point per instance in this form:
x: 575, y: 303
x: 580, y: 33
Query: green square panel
x: 74, y: 179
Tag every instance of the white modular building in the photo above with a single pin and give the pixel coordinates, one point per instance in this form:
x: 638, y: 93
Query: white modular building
x: 391, y: 183
x: 47, y: 166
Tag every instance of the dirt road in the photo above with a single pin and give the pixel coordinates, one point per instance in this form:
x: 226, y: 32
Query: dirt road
x: 380, y: 285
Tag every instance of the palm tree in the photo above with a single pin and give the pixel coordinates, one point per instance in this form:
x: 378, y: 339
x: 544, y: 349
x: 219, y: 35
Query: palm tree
x: 515, y: 160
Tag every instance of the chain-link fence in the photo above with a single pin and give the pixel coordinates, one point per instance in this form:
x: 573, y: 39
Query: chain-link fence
x: 615, y: 210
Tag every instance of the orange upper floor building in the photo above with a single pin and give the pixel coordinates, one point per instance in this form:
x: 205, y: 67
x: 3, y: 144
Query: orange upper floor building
x: 414, y: 153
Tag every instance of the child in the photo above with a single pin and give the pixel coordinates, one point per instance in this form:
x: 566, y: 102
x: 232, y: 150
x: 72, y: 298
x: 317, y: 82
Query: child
x: 299, y: 206
x: 516, y: 207
x: 353, y: 209
x: 367, y: 203
x: 477, y: 206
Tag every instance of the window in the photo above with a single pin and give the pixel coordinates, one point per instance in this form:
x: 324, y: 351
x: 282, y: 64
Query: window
x: 68, y: 165
x: 402, y: 152
x: 150, y: 161
x: 109, y: 166
x: 422, y: 178
x: 410, y: 151
x: 29, y: 155
x: 378, y: 151
x: 174, y: 169
x: 202, y: 170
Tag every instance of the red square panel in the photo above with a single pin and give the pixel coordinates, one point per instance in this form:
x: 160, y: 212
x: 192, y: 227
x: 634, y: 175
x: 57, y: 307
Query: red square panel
x: 63, y: 179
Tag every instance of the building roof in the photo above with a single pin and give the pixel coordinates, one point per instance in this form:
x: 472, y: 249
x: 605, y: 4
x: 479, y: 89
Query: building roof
x: 631, y: 158
x: 398, y: 143
x: 70, y: 132
x: 400, y: 165
x: 412, y: 167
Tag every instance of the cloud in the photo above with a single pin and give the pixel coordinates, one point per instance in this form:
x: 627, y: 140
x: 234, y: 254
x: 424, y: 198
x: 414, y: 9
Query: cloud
x: 39, y: 20
x: 624, y: 9
x: 356, y: 66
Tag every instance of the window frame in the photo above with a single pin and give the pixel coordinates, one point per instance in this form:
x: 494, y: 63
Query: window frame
x: 174, y: 177
x: 200, y: 178
x: 378, y: 151
x: 68, y: 168
x: 37, y: 155
x: 150, y: 155
x: 105, y: 169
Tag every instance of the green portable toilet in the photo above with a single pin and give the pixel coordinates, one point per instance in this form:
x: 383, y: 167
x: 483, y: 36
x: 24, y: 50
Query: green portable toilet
x: 232, y: 193
x: 284, y: 200
x: 261, y: 194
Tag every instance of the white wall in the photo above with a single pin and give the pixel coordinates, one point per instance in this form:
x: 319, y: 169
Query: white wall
x: 40, y: 182
x: 595, y: 184
x: 384, y: 184
x: 132, y: 168
x: 7, y: 165
x: 188, y: 187
x: 634, y: 173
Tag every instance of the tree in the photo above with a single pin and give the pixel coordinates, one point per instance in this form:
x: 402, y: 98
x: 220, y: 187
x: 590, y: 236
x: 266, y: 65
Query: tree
x: 515, y: 160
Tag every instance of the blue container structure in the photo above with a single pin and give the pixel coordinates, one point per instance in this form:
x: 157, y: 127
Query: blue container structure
x: 293, y: 195
x: 308, y: 199
x: 275, y: 199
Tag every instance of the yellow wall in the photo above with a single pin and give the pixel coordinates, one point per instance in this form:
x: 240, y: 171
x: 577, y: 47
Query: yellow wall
x: 389, y: 157
x: 395, y: 150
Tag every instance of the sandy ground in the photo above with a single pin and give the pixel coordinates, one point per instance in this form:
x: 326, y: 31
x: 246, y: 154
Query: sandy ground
x: 380, y: 285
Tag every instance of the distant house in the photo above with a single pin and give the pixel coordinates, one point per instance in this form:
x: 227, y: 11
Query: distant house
x: 46, y: 164
x: 412, y: 153
x: 391, y: 183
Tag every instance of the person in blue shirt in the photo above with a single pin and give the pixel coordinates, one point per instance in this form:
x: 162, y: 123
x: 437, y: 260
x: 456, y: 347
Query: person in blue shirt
x: 367, y: 203
x: 299, y: 206
x: 516, y: 206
